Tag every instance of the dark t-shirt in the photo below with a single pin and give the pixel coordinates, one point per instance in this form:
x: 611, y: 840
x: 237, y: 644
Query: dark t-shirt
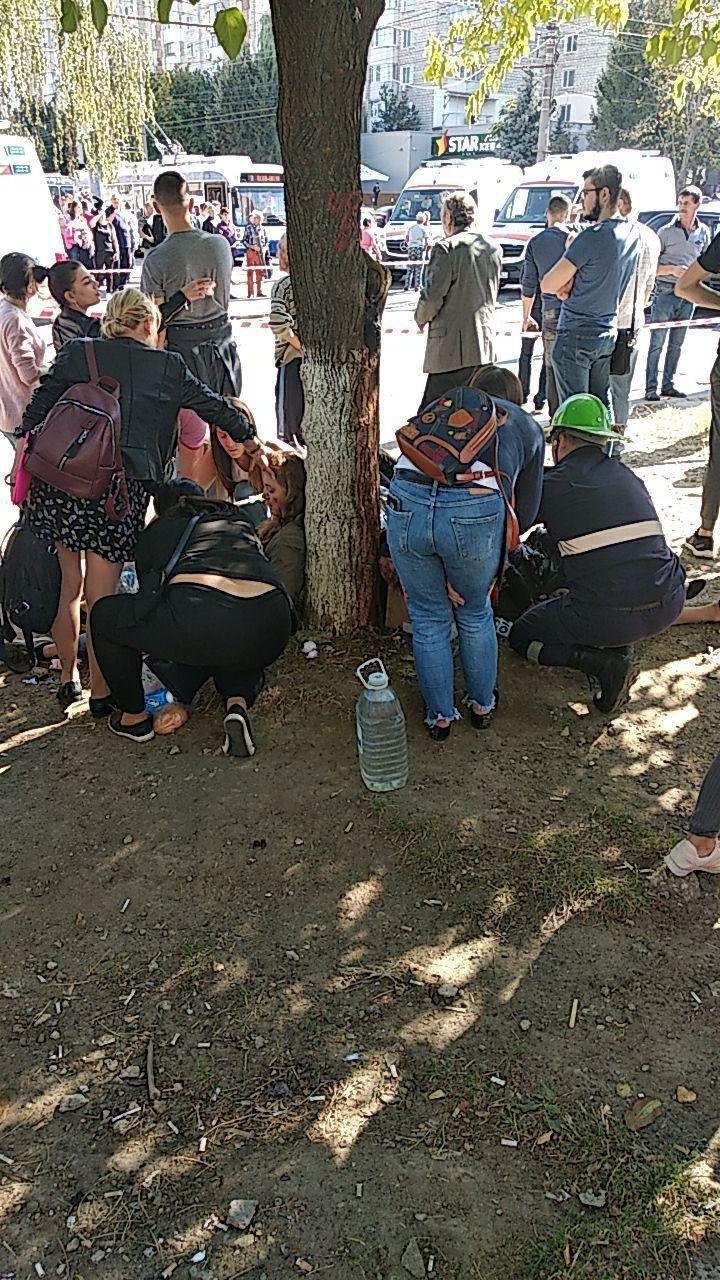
x: 589, y: 492
x: 710, y: 261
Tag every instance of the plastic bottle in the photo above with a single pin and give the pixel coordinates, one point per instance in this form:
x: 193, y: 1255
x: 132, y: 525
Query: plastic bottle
x: 381, y: 734
x: 156, y: 695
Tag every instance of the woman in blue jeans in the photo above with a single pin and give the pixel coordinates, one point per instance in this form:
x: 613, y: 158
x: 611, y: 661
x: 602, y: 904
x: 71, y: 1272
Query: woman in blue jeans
x: 447, y: 544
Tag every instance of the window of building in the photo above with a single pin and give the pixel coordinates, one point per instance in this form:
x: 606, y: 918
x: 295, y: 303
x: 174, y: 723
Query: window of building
x: 571, y: 43
x: 564, y: 114
x: 408, y: 4
x: 378, y: 72
x: 568, y: 79
x: 407, y: 39
x: 406, y: 75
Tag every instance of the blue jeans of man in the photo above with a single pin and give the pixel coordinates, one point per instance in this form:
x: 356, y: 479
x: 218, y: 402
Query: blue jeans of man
x: 440, y: 535
x: 581, y: 364
x: 665, y: 306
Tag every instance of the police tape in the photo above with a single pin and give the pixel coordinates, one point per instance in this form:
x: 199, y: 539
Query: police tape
x: 514, y: 331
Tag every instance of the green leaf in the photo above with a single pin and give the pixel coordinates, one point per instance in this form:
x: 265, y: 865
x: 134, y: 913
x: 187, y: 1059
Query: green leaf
x: 163, y: 10
x: 69, y: 16
x: 708, y: 50
x: 230, y: 28
x: 99, y: 14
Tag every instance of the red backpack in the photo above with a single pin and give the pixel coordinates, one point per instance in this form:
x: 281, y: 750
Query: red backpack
x: 77, y: 449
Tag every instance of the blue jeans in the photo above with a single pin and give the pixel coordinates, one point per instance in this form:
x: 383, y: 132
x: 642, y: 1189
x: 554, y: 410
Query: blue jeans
x: 665, y: 306
x: 439, y: 536
x: 581, y: 364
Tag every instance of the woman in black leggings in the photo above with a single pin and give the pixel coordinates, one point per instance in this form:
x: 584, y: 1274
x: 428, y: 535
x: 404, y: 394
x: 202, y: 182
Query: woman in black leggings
x: 210, y: 605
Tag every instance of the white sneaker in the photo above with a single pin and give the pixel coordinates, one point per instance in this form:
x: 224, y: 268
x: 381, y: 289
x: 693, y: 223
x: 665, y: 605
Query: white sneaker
x: 684, y: 859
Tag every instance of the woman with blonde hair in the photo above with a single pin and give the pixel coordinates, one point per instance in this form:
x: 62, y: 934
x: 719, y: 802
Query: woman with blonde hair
x: 154, y: 386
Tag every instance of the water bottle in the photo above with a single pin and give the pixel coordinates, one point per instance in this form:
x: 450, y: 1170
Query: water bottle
x: 157, y: 700
x: 381, y: 735
x: 156, y: 695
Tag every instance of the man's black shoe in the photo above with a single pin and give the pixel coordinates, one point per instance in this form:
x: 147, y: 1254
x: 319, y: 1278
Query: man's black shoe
x: 614, y: 671
x: 672, y: 393
x: 652, y: 397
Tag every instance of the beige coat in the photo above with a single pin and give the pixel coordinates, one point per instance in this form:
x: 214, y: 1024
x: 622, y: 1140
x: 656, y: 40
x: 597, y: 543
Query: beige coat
x: 458, y: 302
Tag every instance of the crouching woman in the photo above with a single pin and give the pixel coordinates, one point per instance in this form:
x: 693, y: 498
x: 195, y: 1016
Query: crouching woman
x: 210, y: 606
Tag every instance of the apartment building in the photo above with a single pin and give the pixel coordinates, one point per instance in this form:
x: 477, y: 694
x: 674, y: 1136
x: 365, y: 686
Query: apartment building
x: 189, y: 40
x: 397, y: 56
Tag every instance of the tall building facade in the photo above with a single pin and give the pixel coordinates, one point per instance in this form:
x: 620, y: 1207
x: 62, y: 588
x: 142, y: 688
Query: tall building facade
x: 398, y: 54
x: 189, y: 40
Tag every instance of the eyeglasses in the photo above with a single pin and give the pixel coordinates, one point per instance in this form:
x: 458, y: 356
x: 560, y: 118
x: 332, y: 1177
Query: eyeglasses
x: 586, y: 190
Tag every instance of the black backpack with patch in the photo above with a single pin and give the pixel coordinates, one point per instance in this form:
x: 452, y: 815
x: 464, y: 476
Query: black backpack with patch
x: 29, y: 592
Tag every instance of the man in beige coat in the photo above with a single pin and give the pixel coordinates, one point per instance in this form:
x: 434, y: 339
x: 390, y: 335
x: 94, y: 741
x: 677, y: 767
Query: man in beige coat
x: 458, y: 299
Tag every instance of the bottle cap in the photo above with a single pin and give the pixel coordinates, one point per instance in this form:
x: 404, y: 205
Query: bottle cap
x: 377, y: 680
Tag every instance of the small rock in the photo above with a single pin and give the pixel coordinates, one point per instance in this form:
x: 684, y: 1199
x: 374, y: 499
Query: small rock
x: 98, y: 1255
x: 131, y: 1073
x: 51, y: 965
x: 446, y: 992
x: 174, y: 751
x: 412, y: 1260
x: 715, y: 989
x: 72, y: 1245
x: 111, y: 1064
x: 73, y: 1102
x: 565, y: 733
x: 525, y: 1024
x: 127, y: 839
x: 291, y: 955
x: 104, y: 1041
x: 685, y: 1095
x: 593, y: 1199
x: 241, y: 1213
x: 259, y: 1042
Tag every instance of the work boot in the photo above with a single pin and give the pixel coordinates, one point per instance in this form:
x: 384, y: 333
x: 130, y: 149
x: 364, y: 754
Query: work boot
x: 612, y: 668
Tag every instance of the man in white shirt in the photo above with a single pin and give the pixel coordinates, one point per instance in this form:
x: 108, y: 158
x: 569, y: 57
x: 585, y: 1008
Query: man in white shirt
x: 631, y: 309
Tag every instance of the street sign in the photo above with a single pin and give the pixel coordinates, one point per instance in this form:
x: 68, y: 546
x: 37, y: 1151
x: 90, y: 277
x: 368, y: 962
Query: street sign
x: 461, y: 146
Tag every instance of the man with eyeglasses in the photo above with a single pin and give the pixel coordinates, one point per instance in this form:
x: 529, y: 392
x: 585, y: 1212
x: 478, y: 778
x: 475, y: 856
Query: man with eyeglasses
x: 590, y: 279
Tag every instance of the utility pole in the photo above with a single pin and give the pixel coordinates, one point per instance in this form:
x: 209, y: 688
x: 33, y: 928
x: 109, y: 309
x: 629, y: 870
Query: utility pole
x: 551, y: 44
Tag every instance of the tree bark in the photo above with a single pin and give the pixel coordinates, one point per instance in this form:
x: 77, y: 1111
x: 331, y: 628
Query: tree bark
x: 322, y: 48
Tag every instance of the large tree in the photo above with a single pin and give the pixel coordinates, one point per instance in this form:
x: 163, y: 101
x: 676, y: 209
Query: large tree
x: 322, y: 57
x: 184, y: 107
x: 99, y: 85
x: 516, y: 131
x: 490, y: 38
x: 637, y: 105
x: 396, y: 111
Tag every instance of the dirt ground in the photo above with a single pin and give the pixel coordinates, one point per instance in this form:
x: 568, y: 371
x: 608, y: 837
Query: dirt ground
x: 409, y: 1027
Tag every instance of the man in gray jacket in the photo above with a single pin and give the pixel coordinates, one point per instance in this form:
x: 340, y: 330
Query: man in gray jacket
x: 457, y: 300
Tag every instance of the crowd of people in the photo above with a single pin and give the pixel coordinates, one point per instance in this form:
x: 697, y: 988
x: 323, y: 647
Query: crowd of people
x: 220, y: 573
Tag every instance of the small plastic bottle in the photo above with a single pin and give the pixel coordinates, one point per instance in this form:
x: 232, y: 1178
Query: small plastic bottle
x: 381, y: 733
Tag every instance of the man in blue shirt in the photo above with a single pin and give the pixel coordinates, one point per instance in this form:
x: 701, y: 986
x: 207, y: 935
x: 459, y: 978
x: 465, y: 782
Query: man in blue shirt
x: 543, y: 252
x: 589, y: 279
x: 624, y: 583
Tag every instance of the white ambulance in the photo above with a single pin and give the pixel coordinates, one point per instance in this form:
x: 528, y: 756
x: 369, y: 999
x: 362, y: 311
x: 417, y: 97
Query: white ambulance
x: 648, y: 176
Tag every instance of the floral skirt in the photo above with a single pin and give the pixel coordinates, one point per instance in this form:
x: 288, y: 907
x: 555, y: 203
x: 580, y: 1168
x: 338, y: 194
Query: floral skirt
x: 84, y: 526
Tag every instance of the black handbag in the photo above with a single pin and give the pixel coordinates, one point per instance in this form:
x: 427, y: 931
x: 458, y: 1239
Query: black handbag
x: 626, y: 339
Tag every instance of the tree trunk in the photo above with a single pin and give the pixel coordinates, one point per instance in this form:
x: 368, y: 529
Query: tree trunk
x: 322, y: 50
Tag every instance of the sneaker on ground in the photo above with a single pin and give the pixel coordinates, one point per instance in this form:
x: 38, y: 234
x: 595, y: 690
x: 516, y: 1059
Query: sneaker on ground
x: 142, y: 732
x: 616, y: 671
x: 672, y: 393
x: 684, y: 859
x: 700, y: 545
x: 239, y: 739
x: 652, y: 397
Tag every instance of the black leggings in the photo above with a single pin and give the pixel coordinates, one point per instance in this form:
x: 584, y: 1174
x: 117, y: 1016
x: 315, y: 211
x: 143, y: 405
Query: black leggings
x: 195, y: 633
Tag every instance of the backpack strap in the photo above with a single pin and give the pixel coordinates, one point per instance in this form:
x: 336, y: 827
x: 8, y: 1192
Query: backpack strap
x: 92, y: 360
x: 180, y: 546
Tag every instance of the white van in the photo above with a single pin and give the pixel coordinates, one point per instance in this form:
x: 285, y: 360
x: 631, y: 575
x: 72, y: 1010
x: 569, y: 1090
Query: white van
x: 28, y: 218
x: 488, y: 181
x: 648, y: 176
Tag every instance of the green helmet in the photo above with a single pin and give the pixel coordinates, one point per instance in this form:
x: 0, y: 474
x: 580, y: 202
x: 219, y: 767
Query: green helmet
x: 586, y: 415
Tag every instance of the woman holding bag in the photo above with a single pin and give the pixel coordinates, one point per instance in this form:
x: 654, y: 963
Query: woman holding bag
x: 154, y: 386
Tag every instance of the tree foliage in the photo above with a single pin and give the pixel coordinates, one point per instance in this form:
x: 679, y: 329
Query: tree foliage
x: 491, y: 39
x: 637, y: 102
x: 232, y: 111
x: 98, y: 85
x: 515, y: 133
x: 396, y: 111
